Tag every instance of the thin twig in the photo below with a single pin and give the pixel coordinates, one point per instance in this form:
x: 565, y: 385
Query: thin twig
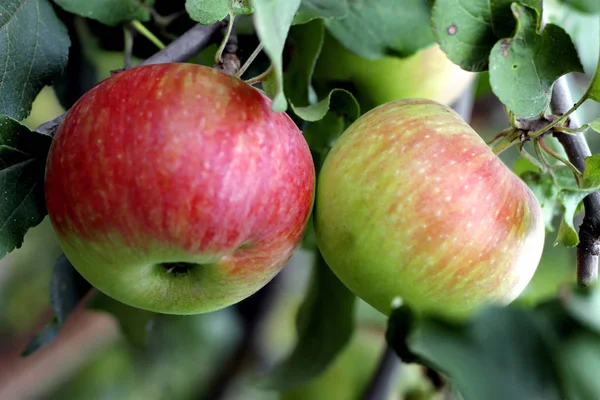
x: 227, y: 60
x: 577, y: 150
x: 250, y: 59
x: 181, y: 49
x: 128, y: 48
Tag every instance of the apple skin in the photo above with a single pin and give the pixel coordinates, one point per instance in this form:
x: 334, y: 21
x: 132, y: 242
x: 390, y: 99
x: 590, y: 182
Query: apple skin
x: 178, y: 163
x: 426, y: 74
x: 411, y: 202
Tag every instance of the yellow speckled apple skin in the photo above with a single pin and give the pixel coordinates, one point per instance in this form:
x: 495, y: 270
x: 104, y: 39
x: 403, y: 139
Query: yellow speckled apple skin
x: 411, y: 202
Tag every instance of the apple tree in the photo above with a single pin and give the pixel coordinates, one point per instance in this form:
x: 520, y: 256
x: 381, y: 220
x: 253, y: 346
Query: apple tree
x: 299, y: 199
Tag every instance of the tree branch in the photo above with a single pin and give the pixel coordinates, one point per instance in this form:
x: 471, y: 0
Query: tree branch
x: 181, y: 49
x: 577, y: 150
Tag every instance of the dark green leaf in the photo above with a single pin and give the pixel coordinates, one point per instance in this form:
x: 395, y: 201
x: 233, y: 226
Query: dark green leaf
x: 578, y: 362
x: 584, y: 306
x: 586, y: 6
x: 583, y: 29
x: 34, y: 46
x: 379, y: 27
x: 135, y: 323
x: 499, y: 354
x: 42, y: 338
x: 109, y: 12
x: 80, y: 74
x: 272, y: 19
x: 325, y: 325
x: 338, y: 100
x: 468, y: 29
x: 22, y: 165
x: 524, y: 68
x: 67, y: 289
x: 304, y: 44
x: 210, y: 11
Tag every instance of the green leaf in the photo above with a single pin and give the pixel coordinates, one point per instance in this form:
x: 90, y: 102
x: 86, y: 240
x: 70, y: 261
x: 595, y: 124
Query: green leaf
x: 595, y: 125
x: 571, y: 198
x: 135, y: 323
x: 67, y: 289
x: 510, y: 352
x: 594, y: 88
x: 545, y: 190
x: 325, y: 324
x: 578, y: 362
x: 583, y: 305
x: 304, y: 42
x: 22, y: 165
x: 586, y: 6
x: 311, y: 9
x: 468, y: 29
x: 331, y: 116
x: 109, y: 12
x: 41, y: 339
x: 499, y: 354
x: 379, y: 27
x: 339, y: 100
x: 272, y: 20
x: 530, y: 63
x: 34, y: 46
x: 208, y: 12
x: 591, y: 173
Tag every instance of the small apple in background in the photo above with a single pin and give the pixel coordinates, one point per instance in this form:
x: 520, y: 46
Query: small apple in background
x: 175, y: 188
x: 412, y: 203
x: 427, y: 74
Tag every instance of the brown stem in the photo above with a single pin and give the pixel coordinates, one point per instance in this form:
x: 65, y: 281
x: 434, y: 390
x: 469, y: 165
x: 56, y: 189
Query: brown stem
x: 578, y: 150
x: 181, y: 49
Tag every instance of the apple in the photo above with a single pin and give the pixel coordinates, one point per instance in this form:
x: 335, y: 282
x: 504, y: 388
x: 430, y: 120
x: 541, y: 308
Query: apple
x: 412, y: 203
x: 427, y: 74
x: 176, y: 189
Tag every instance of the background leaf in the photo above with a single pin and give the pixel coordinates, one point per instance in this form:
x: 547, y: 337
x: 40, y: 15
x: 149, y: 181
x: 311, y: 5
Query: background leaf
x: 380, y: 27
x: 304, y: 44
x: 208, y: 12
x: 34, y: 46
x: 109, y: 12
x: 468, y: 29
x: 530, y: 63
x: 319, y: 343
x: 311, y: 9
x: 67, y: 289
x: 272, y: 20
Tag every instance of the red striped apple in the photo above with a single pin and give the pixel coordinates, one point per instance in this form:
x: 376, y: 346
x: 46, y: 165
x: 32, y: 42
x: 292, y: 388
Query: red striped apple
x: 175, y: 188
x: 412, y: 203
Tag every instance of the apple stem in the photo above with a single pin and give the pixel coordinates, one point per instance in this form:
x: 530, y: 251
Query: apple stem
x: 229, y: 29
x: 260, y: 77
x: 147, y: 34
x: 250, y: 59
x: 577, y: 151
x: 128, y: 45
